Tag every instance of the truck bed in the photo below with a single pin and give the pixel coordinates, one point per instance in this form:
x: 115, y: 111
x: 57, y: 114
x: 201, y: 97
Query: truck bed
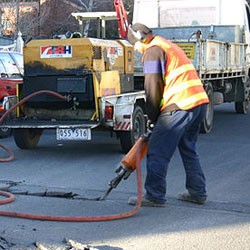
x: 218, y: 52
x: 223, y: 33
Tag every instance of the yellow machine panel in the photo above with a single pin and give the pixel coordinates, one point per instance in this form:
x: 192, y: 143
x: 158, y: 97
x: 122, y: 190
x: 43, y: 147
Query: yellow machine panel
x: 110, y: 83
x: 80, y: 55
x: 59, y: 55
x: 85, y: 68
x: 128, y: 56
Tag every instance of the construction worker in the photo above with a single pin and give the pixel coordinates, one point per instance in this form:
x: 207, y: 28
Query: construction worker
x: 176, y: 106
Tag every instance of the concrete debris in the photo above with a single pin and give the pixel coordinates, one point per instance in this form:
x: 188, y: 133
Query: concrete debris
x: 79, y: 246
x: 5, y: 244
x: 5, y: 188
x: 41, y: 246
x: 6, y: 185
x: 45, y: 246
x: 71, y: 245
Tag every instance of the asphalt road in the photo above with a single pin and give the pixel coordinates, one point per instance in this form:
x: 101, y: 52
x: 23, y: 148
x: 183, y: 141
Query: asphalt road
x: 55, y: 179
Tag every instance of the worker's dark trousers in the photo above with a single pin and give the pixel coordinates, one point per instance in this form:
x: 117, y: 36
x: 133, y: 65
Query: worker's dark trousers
x: 177, y: 129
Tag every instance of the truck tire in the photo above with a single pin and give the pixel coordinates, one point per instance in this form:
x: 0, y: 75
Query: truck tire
x: 27, y: 138
x: 241, y: 107
x: 128, y: 138
x: 208, y: 122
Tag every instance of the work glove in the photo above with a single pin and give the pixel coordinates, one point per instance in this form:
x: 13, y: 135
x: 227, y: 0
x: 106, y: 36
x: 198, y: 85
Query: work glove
x: 150, y: 125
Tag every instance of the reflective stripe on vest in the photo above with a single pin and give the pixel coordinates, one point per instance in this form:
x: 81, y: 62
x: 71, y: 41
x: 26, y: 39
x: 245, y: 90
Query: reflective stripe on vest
x: 176, y: 89
x: 182, y: 84
x: 178, y: 71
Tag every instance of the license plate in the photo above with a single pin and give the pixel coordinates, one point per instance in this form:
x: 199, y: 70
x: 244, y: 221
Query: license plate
x: 73, y: 134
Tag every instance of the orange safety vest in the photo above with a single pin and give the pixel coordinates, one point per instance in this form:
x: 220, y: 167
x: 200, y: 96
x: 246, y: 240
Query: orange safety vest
x: 182, y: 84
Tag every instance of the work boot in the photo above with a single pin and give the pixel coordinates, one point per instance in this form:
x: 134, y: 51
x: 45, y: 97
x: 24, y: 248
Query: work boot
x: 145, y: 202
x: 189, y: 198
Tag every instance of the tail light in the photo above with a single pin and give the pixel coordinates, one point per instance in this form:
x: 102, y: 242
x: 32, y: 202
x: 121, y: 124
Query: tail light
x: 109, y: 111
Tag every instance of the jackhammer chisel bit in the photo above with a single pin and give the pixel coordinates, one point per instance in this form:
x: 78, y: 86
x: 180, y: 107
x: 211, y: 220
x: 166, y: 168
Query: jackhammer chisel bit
x: 122, y: 173
x: 129, y: 163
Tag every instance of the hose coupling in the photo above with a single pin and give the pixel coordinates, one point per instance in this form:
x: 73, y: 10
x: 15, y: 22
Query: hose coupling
x: 68, y: 98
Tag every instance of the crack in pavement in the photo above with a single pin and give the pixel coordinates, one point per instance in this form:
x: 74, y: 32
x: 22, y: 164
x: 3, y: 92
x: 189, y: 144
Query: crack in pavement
x: 18, y: 188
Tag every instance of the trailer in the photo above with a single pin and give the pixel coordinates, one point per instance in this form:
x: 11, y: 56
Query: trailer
x: 77, y: 86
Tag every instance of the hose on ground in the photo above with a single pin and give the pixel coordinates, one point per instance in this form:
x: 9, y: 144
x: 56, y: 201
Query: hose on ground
x: 11, y: 197
x: 81, y: 218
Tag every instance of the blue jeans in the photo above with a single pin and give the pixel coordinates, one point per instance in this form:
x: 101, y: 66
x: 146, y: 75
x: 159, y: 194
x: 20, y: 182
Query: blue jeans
x: 175, y: 129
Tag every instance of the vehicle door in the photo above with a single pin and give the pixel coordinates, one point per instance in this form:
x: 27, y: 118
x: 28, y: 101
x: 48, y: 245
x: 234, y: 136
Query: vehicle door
x: 10, y: 76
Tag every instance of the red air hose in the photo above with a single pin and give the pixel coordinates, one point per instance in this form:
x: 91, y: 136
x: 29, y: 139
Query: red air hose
x: 29, y: 97
x: 80, y: 218
x: 11, y: 154
x: 11, y: 197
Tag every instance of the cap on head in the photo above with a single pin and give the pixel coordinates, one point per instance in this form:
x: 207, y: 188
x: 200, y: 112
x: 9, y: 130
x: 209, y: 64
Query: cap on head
x: 137, y: 32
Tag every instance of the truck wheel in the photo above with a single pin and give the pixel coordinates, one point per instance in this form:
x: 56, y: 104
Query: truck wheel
x: 128, y: 138
x: 208, y: 122
x: 5, y: 132
x: 27, y: 138
x: 241, y: 107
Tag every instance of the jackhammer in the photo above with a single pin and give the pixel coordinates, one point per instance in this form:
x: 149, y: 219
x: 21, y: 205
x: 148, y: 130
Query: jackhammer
x: 129, y: 162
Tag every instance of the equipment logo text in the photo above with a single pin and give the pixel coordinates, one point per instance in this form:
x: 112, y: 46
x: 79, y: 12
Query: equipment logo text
x: 56, y: 51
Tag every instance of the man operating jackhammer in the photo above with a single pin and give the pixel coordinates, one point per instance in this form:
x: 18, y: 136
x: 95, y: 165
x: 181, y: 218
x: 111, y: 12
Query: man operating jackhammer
x: 176, y: 106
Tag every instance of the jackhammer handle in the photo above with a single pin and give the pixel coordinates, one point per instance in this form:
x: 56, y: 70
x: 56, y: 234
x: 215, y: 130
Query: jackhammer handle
x: 129, y: 160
